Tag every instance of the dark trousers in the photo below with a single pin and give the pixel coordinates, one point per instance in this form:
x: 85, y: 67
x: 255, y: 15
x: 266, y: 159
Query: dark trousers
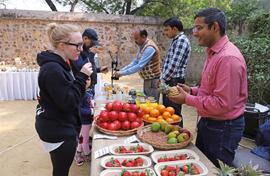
x: 150, y: 88
x: 218, y: 140
x: 62, y: 157
x: 167, y: 102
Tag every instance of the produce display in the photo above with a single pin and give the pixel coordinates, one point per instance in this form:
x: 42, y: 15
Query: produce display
x: 136, y: 149
x: 175, y: 134
x: 154, y: 112
x: 164, y: 136
x: 189, y: 169
x: 128, y: 172
x: 174, y: 155
x: 146, y: 172
x: 125, y: 163
x: 174, y: 158
x: 119, y: 116
x: 131, y: 149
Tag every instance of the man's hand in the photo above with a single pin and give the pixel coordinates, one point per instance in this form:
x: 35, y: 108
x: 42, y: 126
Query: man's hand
x: 185, y: 87
x: 104, y: 69
x: 181, y: 98
x: 118, y: 74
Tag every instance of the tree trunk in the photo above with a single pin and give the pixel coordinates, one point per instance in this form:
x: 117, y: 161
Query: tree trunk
x: 128, y: 6
x: 51, y: 5
x: 73, y: 4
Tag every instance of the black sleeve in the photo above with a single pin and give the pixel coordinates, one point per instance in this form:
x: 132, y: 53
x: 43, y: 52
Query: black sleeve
x: 66, y: 94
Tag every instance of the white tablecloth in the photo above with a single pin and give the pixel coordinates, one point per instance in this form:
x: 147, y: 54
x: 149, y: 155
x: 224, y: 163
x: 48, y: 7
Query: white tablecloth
x: 18, y: 85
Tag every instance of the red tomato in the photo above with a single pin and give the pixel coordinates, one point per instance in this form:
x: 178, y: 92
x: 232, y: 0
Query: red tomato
x: 139, y: 120
x: 126, y: 107
x: 104, y: 116
x: 109, y: 106
x: 118, y: 124
x: 135, y: 124
x: 112, y: 126
x: 134, y: 108
x: 125, y: 125
x: 104, y: 125
x: 117, y: 106
x: 113, y: 115
x: 140, y: 113
x: 122, y: 116
x: 132, y: 116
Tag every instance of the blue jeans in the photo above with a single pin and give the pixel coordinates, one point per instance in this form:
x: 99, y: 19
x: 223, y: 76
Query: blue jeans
x: 218, y: 140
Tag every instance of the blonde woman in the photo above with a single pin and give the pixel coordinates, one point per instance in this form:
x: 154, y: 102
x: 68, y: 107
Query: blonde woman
x: 57, y: 116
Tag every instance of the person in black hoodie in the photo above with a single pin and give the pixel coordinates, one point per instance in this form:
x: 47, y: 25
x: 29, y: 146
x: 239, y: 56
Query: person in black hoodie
x: 57, y: 114
x: 90, y: 44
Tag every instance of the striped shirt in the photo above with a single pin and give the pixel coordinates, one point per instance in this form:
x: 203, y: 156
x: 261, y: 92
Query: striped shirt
x: 175, y: 62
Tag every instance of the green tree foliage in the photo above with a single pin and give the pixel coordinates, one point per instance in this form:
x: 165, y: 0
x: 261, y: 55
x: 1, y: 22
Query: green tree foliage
x: 240, y: 11
x: 184, y: 9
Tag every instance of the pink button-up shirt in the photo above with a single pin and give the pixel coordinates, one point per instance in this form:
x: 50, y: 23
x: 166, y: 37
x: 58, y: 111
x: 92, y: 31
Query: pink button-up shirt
x: 222, y: 93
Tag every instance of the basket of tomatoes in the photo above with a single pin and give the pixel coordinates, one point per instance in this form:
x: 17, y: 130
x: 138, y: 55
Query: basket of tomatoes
x: 119, y: 119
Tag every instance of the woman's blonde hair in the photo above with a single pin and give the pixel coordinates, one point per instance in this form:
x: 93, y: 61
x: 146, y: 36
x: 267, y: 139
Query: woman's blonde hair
x: 60, y: 32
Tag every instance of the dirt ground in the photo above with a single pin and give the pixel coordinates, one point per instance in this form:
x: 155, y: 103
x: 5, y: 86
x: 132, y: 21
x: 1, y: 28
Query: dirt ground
x: 21, y: 153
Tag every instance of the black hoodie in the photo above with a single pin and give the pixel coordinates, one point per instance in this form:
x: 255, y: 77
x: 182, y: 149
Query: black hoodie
x: 57, y: 114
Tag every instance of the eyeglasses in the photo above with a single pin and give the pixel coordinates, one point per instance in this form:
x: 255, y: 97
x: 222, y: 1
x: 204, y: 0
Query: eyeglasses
x: 78, y: 45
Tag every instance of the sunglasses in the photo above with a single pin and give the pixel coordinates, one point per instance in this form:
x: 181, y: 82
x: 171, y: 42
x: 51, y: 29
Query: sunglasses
x: 78, y: 45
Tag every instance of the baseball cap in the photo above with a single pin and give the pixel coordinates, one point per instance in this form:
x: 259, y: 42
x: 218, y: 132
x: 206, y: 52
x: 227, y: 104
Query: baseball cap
x: 91, y: 34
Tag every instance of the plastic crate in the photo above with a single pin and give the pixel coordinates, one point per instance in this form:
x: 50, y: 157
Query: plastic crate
x: 253, y: 119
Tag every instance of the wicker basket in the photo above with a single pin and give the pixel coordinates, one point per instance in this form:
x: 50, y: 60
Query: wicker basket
x: 159, y: 139
x: 173, y: 123
x: 118, y: 132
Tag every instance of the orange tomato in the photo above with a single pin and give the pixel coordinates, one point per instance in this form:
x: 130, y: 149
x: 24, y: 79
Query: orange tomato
x: 160, y: 117
x: 152, y: 119
x: 176, y: 117
x: 170, y: 110
x: 169, y: 120
x: 146, y: 116
x: 166, y: 115
x: 161, y: 120
x: 154, y: 113
x: 146, y: 110
x: 161, y: 108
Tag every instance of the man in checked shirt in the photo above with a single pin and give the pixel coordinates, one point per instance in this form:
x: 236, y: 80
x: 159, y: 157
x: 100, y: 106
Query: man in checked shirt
x: 175, y: 62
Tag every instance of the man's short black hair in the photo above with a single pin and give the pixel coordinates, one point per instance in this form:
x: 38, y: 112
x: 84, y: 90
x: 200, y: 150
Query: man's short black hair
x: 174, y: 22
x: 212, y: 15
x: 143, y: 33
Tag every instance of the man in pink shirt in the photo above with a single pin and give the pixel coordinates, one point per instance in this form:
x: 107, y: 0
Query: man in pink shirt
x: 220, y: 99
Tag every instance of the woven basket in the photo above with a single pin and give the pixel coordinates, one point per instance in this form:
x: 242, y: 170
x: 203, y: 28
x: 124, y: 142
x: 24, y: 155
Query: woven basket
x: 159, y: 139
x: 173, y: 123
x: 118, y: 132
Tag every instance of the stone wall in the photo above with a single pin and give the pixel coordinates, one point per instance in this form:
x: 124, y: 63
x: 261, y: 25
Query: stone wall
x: 23, y: 34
